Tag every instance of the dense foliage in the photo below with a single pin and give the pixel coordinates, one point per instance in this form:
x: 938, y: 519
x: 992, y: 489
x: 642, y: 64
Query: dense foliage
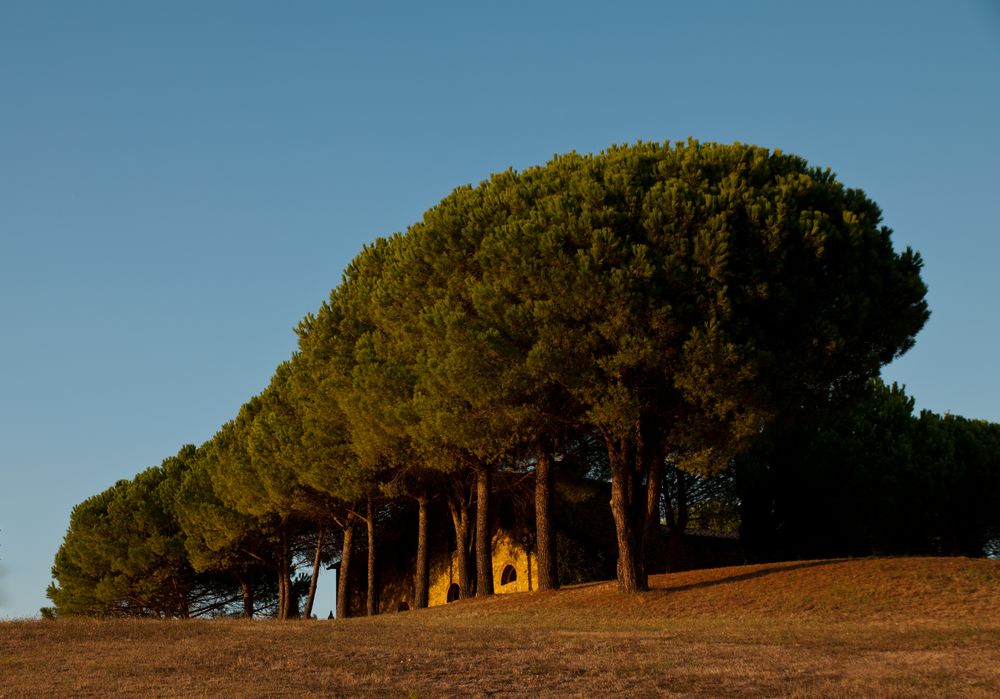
x: 871, y: 477
x: 644, y: 316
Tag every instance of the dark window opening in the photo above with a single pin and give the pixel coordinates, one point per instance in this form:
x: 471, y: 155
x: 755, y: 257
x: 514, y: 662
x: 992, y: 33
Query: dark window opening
x: 508, y: 575
x: 454, y: 592
x: 403, y: 606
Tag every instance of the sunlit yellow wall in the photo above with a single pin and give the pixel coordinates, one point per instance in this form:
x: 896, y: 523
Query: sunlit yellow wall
x: 506, y: 552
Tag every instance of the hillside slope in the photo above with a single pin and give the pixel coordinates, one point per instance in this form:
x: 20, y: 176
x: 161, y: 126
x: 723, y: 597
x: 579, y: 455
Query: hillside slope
x: 828, y: 589
x: 871, y: 627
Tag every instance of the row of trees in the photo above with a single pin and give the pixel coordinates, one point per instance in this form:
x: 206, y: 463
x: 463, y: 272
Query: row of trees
x: 871, y: 477
x: 670, y: 303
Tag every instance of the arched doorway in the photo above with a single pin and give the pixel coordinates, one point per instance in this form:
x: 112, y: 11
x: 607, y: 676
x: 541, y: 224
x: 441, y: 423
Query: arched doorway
x: 454, y: 592
x: 508, y: 575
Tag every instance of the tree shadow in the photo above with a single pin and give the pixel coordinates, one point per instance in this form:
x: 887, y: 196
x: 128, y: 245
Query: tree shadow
x: 583, y: 585
x: 759, y: 573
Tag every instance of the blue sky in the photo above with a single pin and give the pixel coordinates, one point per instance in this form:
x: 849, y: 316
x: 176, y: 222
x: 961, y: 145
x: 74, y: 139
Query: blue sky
x: 181, y: 182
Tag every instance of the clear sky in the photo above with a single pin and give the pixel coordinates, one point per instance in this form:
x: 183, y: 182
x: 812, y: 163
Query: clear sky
x: 180, y: 182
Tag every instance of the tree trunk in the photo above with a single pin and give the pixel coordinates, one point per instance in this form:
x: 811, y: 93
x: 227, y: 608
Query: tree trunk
x: 315, y: 574
x: 545, y: 541
x: 343, y: 575
x: 183, y: 605
x: 484, y: 542
x: 654, y: 492
x: 372, y: 587
x: 284, y: 578
x: 421, y: 582
x: 291, y: 601
x: 631, y: 573
x: 282, y: 592
x: 247, y: 597
x: 459, y: 506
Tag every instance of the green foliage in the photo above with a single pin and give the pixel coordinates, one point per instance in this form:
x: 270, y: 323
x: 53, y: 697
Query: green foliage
x: 217, y: 538
x: 355, y: 389
x: 675, y: 301
x: 124, y: 551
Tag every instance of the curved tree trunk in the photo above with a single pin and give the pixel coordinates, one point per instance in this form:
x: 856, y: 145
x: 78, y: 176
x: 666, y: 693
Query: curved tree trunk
x: 624, y: 508
x: 484, y: 542
x: 421, y: 582
x: 317, y: 559
x: 545, y: 540
x: 343, y: 575
x: 372, y: 603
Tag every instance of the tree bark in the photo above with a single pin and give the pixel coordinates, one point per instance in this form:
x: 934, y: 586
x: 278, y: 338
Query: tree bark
x: 372, y: 602
x: 622, y: 455
x: 484, y: 542
x: 317, y: 559
x: 247, y: 596
x: 281, y: 594
x: 459, y: 506
x: 291, y: 609
x: 421, y: 582
x: 545, y: 541
x: 284, y: 579
x: 183, y: 605
x: 343, y: 575
x: 291, y: 603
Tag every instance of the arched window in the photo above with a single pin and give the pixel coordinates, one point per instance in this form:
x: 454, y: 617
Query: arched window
x: 508, y: 575
x: 454, y: 592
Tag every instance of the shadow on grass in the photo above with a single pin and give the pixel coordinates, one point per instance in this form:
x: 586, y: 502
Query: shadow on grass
x: 584, y: 585
x: 759, y: 573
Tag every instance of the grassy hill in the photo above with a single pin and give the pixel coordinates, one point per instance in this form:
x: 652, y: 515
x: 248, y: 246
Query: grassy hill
x: 871, y: 627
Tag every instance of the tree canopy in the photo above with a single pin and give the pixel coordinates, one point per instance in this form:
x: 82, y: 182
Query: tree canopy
x: 675, y: 304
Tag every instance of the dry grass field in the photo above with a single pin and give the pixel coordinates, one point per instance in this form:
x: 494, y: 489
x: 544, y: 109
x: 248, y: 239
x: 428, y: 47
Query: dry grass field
x: 874, y: 627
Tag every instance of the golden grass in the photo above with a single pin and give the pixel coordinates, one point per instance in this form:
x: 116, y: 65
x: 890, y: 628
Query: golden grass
x: 873, y: 627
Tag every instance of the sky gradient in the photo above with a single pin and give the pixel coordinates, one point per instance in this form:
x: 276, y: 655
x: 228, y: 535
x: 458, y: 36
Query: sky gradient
x: 180, y: 183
